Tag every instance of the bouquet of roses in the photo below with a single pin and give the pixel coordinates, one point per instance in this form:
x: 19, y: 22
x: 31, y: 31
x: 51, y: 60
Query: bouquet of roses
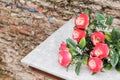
x: 95, y: 43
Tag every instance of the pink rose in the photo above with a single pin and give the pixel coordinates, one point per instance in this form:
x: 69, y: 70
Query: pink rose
x: 82, y: 21
x: 78, y: 34
x: 63, y: 46
x: 64, y: 58
x: 101, y: 51
x: 95, y: 64
x: 97, y: 37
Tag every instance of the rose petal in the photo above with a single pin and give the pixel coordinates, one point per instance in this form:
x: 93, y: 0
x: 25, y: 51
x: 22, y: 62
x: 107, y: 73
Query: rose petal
x: 82, y: 21
x: 95, y: 64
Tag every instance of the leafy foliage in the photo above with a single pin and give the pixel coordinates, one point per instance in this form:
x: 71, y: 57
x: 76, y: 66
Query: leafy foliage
x: 109, y: 20
x: 108, y: 36
x: 82, y: 43
x: 118, y: 67
x: 99, y: 17
x: 114, y: 59
x: 77, y: 69
x: 115, y: 35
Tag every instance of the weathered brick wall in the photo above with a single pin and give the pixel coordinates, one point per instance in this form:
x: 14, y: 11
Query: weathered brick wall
x: 72, y: 7
x: 69, y: 8
x: 25, y: 23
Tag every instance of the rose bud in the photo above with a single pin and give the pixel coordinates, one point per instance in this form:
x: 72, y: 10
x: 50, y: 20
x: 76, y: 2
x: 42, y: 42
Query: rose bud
x: 100, y: 50
x: 63, y: 46
x: 64, y: 58
x: 97, y: 37
x: 78, y: 34
x: 82, y: 21
x: 95, y: 64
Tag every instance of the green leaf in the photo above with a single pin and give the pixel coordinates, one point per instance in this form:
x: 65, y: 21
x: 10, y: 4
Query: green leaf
x: 108, y: 36
x: 77, y: 69
x: 109, y: 20
x: 70, y: 45
x: 119, y: 52
x: 108, y: 66
x: 85, y: 60
x: 70, y: 41
x: 118, y: 67
x: 114, y: 59
x: 82, y: 43
x: 94, y: 73
x: 99, y: 17
x: 73, y: 52
x: 102, y: 22
x: 115, y: 34
x: 87, y: 11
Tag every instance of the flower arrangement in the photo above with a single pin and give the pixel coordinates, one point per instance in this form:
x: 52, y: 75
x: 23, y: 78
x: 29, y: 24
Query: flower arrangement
x: 94, y: 43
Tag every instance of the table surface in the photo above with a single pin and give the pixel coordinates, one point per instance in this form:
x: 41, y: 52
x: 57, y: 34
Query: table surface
x: 44, y: 57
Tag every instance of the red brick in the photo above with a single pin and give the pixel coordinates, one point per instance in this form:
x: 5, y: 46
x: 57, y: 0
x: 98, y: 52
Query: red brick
x: 21, y: 30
